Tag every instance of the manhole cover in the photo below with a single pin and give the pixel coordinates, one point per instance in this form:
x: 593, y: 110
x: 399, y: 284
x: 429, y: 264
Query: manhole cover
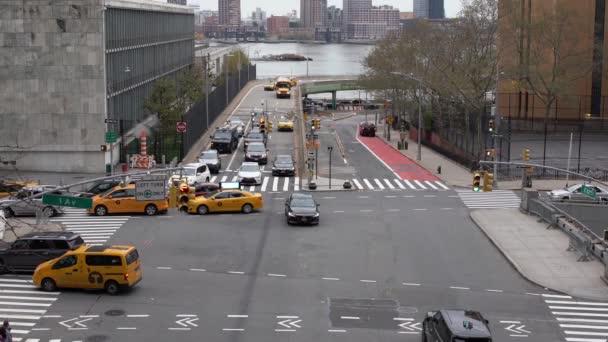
x: 97, y: 338
x: 114, y: 313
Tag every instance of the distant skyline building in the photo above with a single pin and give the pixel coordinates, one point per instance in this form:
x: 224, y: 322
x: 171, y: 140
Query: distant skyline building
x: 277, y: 25
x: 334, y: 17
x: 429, y: 9
x: 361, y: 20
x: 229, y: 12
x: 313, y: 13
x: 258, y: 16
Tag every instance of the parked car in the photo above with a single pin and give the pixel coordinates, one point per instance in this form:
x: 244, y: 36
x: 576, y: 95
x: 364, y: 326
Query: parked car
x: 574, y: 193
x: 256, y: 152
x: 367, y: 129
x: 250, y: 173
x: 32, y: 249
x: 301, y: 208
x: 17, y: 205
x: 212, y: 159
x: 283, y: 165
x: 225, y: 140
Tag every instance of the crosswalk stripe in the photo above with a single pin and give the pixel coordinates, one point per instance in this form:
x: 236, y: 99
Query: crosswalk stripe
x: 30, y: 292
x: 22, y: 310
x: 368, y: 184
x: 50, y: 299
x: 358, y: 184
x: 286, y: 184
x: 224, y: 179
x: 15, y: 280
x: 420, y: 184
x: 576, y: 339
x: 583, y: 314
x: 213, y: 179
x: 582, y: 326
x: 275, y: 184
x: 20, y: 317
x: 18, y: 285
x: 390, y: 185
x: 31, y: 340
x: 409, y: 184
x: 26, y: 304
x: 576, y: 308
x: 234, y: 178
x: 431, y: 185
x: 379, y: 184
x: 442, y: 185
x: 574, y: 303
x: 586, y: 333
x: 296, y: 184
x: 252, y: 188
x: 399, y: 184
x: 264, y: 183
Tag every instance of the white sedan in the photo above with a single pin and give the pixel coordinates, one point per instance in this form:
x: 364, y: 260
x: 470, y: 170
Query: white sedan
x: 250, y: 173
x: 575, y: 193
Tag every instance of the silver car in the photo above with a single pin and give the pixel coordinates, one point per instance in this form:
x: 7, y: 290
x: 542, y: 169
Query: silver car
x: 238, y: 123
x: 17, y: 206
x: 574, y: 193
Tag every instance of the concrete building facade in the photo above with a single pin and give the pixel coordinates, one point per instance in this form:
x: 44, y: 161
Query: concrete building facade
x: 429, y: 9
x: 313, y: 14
x: 229, y: 12
x: 361, y: 20
x: 66, y: 68
x: 277, y: 25
x: 334, y: 17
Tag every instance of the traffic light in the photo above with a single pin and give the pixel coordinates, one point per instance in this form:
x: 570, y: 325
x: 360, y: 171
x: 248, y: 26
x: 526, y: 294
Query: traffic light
x: 491, y: 126
x: 318, y: 125
x: 269, y: 126
x: 186, y: 193
x: 490, y: 153
x: 525, y: 155
x: 104, y: 148
x: 488, y: 181
x: 315, y: 123
x: 477, y: 182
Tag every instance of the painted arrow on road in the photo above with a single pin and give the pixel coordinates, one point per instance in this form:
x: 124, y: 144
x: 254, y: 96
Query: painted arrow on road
x: 518, y: 330
x: 290, y: 323
x: 73, y: 322
x: 185, y: 322
x: 409, y: 326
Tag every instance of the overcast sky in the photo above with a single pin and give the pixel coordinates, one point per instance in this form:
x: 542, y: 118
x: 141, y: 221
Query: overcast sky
x: 280, y: 7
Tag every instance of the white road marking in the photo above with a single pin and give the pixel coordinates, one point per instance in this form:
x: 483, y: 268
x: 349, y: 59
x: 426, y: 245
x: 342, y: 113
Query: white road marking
x: 328, y: 278
x: 286, y: 184
x: 365, y: 210
x: 213, y: 179
x: 393, y: 210
x: 236, y: 272
x: 336, y: 330
x: 296, y: 184
x: 224, y: 178
x: 24, y: 311
x: 368, y: 184
x: 399, y: 184
x: 234, y: 178
x: 51, y: 316
x: 379, y: 183
x: 555, y: 296
x: 28, y: 298
x: 569, y: 332
x: 276, y: 275
x: 390, y: 185
x: 275, y: 184
x: 227, y: 329
x: 490, y: 290
x: 290, y: 317
x: 265, y: 183
x: 459, y: 288
x: 349, y: 317
x: 420, y: 184
x: 329, y: 197
x: 126, y: 328
x: 402, y: 319
x: 363, y: 196
x: 576, y: 339
x: 442, y: 185
x: 358, y: 184
x: 511, y: 322
x: 532, y: 294
x: 338, y: 211
x: 556, y: 313
x: 284, y: 330
x: 409, y: 196
x: 411, y: 284
x: 252, y: 188
x: 420, y: 209
x: 431, y: 185
x: 163, y: 268
x: 237, y: 316
x: 198, y: 270
x: 409, y: 184
x: 390, y: 196
x: 367, y: 281
x: 26, y: 304
x: 569, y: 302
x: 574, y: 308
x: 581, y: 326
x: 15, y: 280
x: 136, y: 316
x: 581, y: 320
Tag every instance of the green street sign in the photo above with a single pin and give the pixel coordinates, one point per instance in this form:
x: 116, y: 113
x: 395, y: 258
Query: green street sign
x: 589, y: 191
x: 67, y: 201
x: 111, y: 137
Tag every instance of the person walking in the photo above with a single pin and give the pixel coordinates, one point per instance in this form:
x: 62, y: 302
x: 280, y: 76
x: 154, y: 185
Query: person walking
x: 8, y: 335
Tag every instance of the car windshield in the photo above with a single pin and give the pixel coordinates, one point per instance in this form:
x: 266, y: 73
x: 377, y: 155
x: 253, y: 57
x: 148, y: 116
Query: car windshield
x: 209, y: 155
x: 211, y: 194
x: 303, y: 203
x: 222, y: 136
x: 188, y: 171
x: 256, y: 148
x: 250, y: 168
x: 255, y: 135
x: 236, y: 122
x: 283, y: 160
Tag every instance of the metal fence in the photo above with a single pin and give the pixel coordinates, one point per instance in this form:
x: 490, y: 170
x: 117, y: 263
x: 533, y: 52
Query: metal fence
x: 198, y: 119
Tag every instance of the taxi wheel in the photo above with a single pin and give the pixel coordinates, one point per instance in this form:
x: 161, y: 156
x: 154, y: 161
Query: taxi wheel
x: 111, y: 287
x: 151, y: 210
x: 247, y: 208
x: 101, y: 210
x: 8, y: 212
x: 207, y: 180
x: 202, y: 210
x: 48, y: 285
x: 50, y: 211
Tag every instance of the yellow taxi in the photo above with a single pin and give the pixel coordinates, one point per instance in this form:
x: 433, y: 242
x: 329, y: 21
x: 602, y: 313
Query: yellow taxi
x: 294, y: 81
x: 121, y: 199
x: 285, y: 124
x: 9, y: 188
x: 226, y: 200
x: 269, y: 86
x: 112, y: 268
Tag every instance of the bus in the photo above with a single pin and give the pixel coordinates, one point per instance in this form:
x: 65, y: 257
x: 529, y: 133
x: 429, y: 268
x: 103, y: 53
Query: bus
x: 283, y: 87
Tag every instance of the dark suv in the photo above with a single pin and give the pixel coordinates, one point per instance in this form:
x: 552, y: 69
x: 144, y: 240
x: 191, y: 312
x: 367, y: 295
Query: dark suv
x: 225, y: 140
x: 30, y: 250
x: 455, y: 326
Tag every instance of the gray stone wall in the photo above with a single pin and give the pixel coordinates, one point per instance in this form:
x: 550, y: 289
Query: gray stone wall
x: 52, y: 97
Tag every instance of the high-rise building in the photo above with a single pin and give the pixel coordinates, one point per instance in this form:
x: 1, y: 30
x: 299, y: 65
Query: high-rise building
x: 229, y: 12
x: 361, y: 20
x: 313, y: 13
x: 258, y: 16
x: 277, y: 25
x: 334, y: 17
x: 429, y: 9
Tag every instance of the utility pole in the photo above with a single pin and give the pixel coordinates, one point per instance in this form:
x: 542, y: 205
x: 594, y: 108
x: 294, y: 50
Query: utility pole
x: 419, y: 153
x: 207, y: 91
x: 330, y: 149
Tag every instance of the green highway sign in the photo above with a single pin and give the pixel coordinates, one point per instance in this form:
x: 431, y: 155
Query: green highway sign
x: 111, y: 137
x: 589, y: 191
x: 67, y: 201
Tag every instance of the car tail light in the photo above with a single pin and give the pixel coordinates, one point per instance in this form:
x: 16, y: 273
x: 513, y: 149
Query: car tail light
x: 126, y: 276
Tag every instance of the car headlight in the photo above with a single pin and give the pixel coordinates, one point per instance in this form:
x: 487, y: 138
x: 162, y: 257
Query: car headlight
x: 263, y: 155
x: 248, y: 155
x: 291, y: 214
x: 317, y: 215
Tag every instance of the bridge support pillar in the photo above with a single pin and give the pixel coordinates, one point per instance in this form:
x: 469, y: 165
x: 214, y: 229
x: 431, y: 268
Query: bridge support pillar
x: 333, y: 100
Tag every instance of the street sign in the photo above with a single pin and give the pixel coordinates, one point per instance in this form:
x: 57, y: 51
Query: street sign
x: 67, y: 201
x: 111, y: 137
x: 181, y: 127
x: 589, y: 191
x: 151, y: 188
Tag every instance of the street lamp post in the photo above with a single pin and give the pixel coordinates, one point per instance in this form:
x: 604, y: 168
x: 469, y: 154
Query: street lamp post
x: 419, y: 91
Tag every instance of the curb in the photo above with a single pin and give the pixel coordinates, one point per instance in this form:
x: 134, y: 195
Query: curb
x: 513, y: 263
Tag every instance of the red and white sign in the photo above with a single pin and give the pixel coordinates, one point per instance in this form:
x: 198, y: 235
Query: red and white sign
x: 181, y: 127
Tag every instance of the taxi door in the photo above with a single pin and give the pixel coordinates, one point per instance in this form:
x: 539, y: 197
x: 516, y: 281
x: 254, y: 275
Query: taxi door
x: 69, y: 271
x: 238, y: 199
x: 130, y: 204
x: 221, y: 202
x: 114, y: 201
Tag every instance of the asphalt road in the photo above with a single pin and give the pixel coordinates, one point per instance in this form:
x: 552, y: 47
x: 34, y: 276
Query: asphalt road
x: 378, y: 261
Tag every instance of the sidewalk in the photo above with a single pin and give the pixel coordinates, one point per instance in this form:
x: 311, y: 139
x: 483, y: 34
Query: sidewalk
x: 540, y: 254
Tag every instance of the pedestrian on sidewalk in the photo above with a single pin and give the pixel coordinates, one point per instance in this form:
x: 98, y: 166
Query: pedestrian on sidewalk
x: 8, y: 335
x: 3, y: 334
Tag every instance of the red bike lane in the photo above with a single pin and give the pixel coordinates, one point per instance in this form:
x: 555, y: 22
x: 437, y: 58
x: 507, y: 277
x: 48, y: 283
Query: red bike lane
x: 399, y: 164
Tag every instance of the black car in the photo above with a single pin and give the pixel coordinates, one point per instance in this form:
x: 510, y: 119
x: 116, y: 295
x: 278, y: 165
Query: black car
x: 254, y: 136
x: 455, y: 325
x: 212, y: 159
x: 256, y: 152
x: 301, y: 208
x: 30, y: 250
x: 283, y: 165
x: 367, y: 129
x: 225, y: 140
